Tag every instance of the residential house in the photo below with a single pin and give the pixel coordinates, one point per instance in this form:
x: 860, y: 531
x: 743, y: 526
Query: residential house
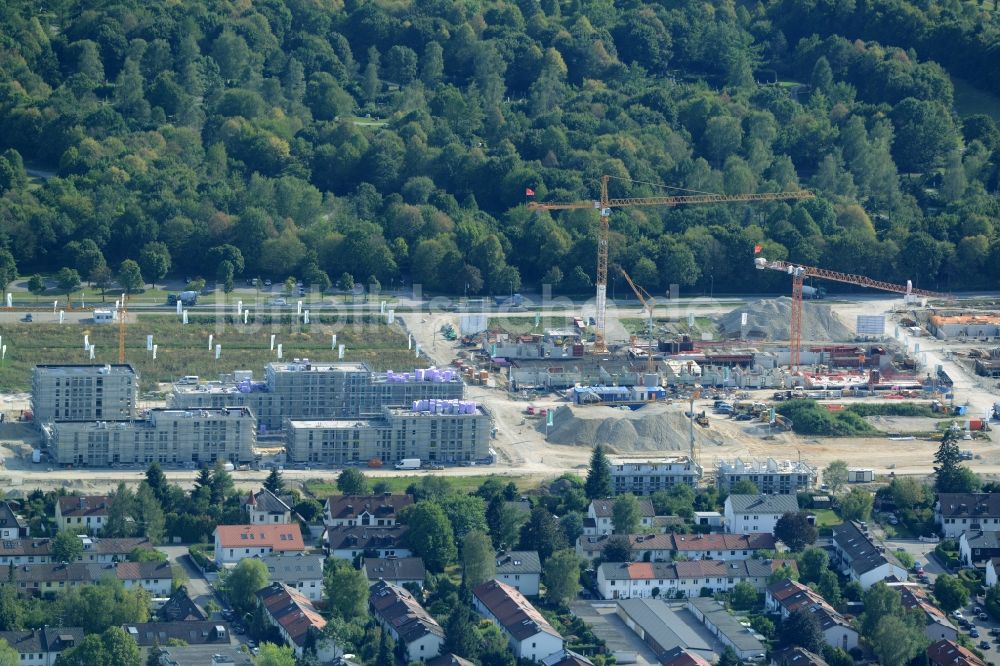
x: 681, y: 657
x: 528, y: 633
x: 303, y: 573
x: 967, y: 512
x: 46, y: 580
x: 521, y: 569
x: 179, y: 607
x: 396, y: 570
x: 235, y: 542
x: 566, y: 658
x: 601, y: 513
x: 950, y: 653
x: 659, y: 579
x: 757, y: 513
x: 992, y: 571
x: 297, y: 620
x: 449, y: 659
x: 364, y: 510
x: 347, y: 543
x: 797, y: 656
x: 976, y: 547
x: 937, y: 626
x: 79, y: 513
x: 39, y: 551
x: 788, y: 596
x: 265, y: 508
x: 412, y: 627
x: 860, y: 558
x: 41, y: 647
x: 203, y: 632
x: 667, y: 547
x: 12, y: 526
x: 202, y: 655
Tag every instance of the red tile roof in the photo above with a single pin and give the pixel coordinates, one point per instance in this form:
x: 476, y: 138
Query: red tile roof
x: 698, y: 542
x: 280, y: 538
x: 948, y: 653
x: 296, y: 614
x: 514, y: 613
x: 84, y: 505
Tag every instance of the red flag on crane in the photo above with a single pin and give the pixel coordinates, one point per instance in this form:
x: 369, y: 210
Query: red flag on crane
x: 757, y: 249
x: 528, y: 192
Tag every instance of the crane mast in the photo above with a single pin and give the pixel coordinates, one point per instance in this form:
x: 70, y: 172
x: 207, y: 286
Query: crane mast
x: 122, y: 315
x: 606, y: 203
x: 799, y: 272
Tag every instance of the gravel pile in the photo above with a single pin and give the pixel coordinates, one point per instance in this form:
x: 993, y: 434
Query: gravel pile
x: 651, y: 428
x: 770, y: 319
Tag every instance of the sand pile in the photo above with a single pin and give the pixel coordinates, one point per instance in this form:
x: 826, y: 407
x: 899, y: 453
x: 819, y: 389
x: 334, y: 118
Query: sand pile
x: 769, y: 319
x: 651, y: 428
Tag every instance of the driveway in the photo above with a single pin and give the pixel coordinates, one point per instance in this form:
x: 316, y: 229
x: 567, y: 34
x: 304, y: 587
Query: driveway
x: 601, y: 617
x: 197, y: 586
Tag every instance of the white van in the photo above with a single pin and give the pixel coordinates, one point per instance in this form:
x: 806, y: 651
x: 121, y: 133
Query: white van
x: 189, y: 379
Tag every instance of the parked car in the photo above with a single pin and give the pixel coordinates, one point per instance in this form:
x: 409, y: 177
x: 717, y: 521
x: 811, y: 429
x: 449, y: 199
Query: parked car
x: 974, y: 632
x: 955, y: 613
x: 983, y: 616
x: 984, y: 645
x: 744, y: 417
x: 27, y: 319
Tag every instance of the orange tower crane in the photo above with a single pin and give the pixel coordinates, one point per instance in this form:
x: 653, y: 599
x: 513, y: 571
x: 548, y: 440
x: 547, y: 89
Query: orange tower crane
x: 605, y: 204
x: 648, y: 303
x: 800, y: 272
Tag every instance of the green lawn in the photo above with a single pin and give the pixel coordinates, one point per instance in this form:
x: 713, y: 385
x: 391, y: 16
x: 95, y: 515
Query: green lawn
x: 183, y: 350
x: 826, y: 518
x: 322, y: 488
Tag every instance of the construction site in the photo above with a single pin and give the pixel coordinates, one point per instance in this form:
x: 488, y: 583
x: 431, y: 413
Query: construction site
x: 710, y: 377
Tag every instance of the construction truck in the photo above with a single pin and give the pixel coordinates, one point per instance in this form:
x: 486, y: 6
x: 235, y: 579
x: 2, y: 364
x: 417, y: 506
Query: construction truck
x: 813, y: 292
x: 701, y: 419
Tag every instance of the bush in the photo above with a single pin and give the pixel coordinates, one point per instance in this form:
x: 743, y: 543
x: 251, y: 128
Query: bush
x: 809, y: 418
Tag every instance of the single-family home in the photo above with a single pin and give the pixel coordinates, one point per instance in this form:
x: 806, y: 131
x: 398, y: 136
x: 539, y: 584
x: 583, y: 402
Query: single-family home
x: 302, y: 573
x: 41, y: 647
x: 180, y: 607
x: 967, y: 512
x: 974, y: 548
x: 788, y: 596
x: 521, y: 569
x: 396, y: 570
x: 297, y: 621
x: 528, y: 633
x: 412, y: 627
x: 265, y: 508
x: 860, y: 558
x: 746, y: 514
x: 600, y: 516
x: 364, y: 510
x: 937, y: 626
x: 203, y: 632
x: 82, y: 513
x: 347, y: 543
x: 235, y: 542
x: 797, y: 656
x: 950, y: 653
x: 12, y: 526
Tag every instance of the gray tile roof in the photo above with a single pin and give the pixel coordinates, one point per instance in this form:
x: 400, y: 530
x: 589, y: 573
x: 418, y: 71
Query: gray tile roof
x: 969, y: 505
x: 400, y: 610
x: 605, y: 508
x: 293, y: 568
x: 194, y: 633
x: 266, y: 501
x: 987, y: 540
x: 761, y: 504
x: 394, y: 569
x: 519, y: 562
x: 46, y: 639
x: 10, y: 520
x: 865, y: 554
x: 361, y: 538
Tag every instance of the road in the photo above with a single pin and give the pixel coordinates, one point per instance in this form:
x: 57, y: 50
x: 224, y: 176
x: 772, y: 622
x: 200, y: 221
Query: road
x: 197, y: 586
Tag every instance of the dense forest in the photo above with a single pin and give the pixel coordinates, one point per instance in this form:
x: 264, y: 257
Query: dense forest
x: 395, y: 139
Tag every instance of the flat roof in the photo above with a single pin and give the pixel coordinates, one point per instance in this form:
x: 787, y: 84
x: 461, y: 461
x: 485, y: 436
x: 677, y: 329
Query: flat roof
x: 334, y: 424
x: 305, y: 365
x: 87, y: 368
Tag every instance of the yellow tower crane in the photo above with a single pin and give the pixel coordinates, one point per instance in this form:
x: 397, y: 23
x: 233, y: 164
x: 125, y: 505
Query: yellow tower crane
x: 605, y: 204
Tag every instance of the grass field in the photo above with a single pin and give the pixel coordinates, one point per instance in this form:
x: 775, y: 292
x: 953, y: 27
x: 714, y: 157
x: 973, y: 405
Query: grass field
x: 322, y: 488
x: 183, y: 350
x: 521, y: 325
x: 826, y: 517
